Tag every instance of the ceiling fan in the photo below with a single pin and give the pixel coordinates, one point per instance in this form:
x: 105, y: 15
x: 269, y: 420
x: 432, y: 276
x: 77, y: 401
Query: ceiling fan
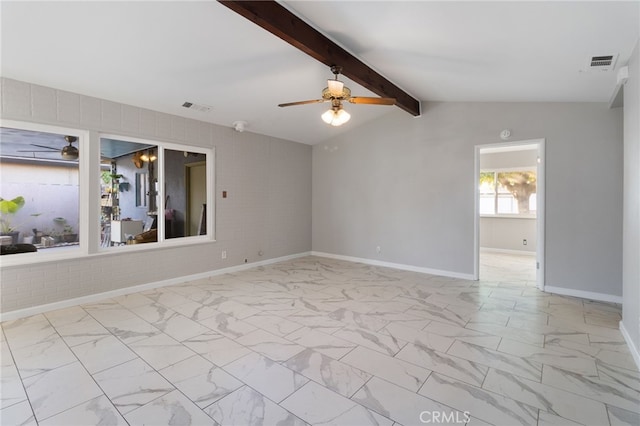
x: 336, y: 92
x: 68, y: 152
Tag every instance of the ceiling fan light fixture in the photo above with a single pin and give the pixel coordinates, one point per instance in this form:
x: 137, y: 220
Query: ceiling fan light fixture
x: 335, y: 87
x: 69, y: 152
x: 342, y: 117
x: 337, y: 93
x: 336, y: 117
x: 327, y: 116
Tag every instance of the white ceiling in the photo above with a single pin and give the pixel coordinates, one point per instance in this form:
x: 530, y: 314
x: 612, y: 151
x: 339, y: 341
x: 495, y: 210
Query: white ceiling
x: 159, y: 54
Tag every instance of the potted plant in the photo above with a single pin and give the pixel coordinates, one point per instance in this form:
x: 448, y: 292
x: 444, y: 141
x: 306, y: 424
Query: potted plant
x: 27, y: 238
x: 8, y: 208
x: 68, y: 234
x: 37, y: 234
x: 56, y: 236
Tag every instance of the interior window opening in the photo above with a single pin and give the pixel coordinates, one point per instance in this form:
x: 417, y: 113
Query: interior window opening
x: 185, y: 194
x: 129, y: 192
x: 39, y: 191
x: 152, y: 192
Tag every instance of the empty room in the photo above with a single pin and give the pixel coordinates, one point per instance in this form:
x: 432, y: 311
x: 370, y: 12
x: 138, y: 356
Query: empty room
x: 319, y: 213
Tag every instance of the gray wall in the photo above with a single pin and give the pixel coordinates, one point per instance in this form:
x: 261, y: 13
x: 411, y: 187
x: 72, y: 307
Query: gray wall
x: 631, y: 243
x: 406, y: 184
x: 268, y: 208
x: 507, y: 233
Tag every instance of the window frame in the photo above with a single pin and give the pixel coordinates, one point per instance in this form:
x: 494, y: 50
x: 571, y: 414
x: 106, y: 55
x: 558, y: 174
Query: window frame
x: 162, y: 241
x: 495, y: 171
x: 89, y: 197
x: 83, y: 197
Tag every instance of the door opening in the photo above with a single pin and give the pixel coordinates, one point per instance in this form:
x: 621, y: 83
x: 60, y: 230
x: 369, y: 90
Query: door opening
x: 509, y: 210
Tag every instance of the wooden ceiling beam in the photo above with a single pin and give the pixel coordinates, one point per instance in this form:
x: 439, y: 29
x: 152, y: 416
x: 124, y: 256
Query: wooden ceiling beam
x: 279, y: 21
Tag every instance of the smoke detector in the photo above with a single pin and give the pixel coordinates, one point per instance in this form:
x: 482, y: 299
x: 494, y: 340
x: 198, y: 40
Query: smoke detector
x: 602, y: 62
x: 240, y: 126
x: 197, y: 107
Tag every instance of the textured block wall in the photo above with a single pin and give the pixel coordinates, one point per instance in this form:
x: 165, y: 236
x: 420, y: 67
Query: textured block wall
x: 268, y: 208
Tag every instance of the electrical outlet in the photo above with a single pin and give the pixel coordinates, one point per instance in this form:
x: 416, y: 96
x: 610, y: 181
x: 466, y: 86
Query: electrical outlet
x: 524, y: 242
x: 224, y: 254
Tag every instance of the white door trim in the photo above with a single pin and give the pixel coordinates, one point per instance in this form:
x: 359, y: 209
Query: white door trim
x: 540, y: 216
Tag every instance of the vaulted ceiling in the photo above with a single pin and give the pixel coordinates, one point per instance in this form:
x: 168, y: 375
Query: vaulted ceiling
x: 158, y: 55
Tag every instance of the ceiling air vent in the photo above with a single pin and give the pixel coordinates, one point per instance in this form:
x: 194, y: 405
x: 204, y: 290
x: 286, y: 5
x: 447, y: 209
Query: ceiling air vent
x: 602, y: 62
x: 197, y: 107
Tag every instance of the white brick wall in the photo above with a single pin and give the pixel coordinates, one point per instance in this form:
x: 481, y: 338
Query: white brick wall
x: 268, y: 206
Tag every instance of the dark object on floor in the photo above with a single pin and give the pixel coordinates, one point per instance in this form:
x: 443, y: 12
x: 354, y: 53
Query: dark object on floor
x: 17, y: 248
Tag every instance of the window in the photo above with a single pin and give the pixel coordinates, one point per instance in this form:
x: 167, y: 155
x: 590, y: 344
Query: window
x: 185, y: 193
x: 40, y: 190
x: 152, y: 192
x: 149, y: 193
x: 128, y: 195
x: 508, y: 192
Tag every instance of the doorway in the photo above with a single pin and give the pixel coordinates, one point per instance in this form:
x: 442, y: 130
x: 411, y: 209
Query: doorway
x: 196, y: 180
x: 509, y: 211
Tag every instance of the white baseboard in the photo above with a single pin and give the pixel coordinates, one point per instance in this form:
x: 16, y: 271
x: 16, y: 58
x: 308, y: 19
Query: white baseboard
x: 26, y: 312
x: 601, y: 297
x: 506, y: 251
x: 395, y: 265
x: 631, y: 344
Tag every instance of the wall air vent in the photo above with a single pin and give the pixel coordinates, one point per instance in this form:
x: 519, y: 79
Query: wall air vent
x: 197, y: 107
x: 602, y: 62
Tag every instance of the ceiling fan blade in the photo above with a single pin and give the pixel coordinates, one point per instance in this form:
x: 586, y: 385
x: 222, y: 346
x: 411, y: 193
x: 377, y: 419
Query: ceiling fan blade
x: 314, y: 101
x: 372, y: 101
x: 44, y: 146
x: 31, y: 150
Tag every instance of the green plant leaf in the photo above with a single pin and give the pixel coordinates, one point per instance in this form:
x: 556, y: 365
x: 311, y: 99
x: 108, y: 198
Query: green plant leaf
x: 11, y: 206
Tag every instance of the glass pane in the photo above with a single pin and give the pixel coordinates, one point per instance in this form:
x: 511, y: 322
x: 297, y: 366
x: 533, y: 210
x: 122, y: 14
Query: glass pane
x: 128, y: 192
x: 39, y: 193
x: 507, y: 204
x: 520, y: 185
x: 185, y: 193
x: 533, y: 202
x: 487, y: 182
x: 487, y: 204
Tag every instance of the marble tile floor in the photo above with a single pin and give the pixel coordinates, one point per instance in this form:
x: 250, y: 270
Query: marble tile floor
x: 325, y: 342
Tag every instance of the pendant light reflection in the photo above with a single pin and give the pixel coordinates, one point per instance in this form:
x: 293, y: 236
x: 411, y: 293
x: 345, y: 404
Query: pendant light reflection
x: 336, y: 117
x: 70, y: 152
x: 150, y: 156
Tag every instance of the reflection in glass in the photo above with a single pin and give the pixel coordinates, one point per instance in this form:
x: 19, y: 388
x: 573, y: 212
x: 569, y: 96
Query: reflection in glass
x: 128, y: 192
x: 39, y: 191
x: 185, y: 193
x: 142, y: 189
